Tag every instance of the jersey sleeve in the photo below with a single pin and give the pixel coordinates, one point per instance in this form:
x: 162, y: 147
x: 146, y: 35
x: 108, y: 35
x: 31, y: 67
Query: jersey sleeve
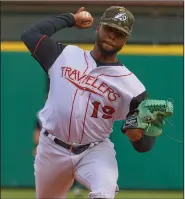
x: 132, y: 92
x: 134, y: 103
x: 47, y: 52
x: 37, y: 39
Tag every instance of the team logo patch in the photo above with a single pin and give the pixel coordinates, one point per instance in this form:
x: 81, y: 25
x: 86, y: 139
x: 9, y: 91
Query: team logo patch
x: 131, y: 122
x: 122, y: 17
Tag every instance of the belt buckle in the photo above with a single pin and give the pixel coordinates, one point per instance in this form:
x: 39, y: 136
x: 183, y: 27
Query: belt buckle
x: 71, y: 146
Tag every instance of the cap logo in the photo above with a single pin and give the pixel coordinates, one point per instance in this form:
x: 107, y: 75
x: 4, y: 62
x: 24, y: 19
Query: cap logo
x: 121, y: 16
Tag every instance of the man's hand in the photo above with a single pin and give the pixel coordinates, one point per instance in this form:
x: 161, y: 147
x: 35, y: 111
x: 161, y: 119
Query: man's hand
x: 83, y: 19
x: 134, y: 134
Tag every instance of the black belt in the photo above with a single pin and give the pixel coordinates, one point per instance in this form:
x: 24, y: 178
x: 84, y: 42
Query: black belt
x: 70, y: 147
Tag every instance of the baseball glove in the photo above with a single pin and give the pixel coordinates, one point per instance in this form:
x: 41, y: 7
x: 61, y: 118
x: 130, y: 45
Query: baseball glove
x: 149, y: 116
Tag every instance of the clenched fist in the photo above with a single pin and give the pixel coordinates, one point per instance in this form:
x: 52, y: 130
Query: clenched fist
x: 83, y: 19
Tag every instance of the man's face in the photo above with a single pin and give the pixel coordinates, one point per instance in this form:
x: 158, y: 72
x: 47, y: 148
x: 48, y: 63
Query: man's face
x: 110, y: 40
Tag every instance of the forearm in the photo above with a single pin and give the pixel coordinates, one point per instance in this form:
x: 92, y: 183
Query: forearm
x: 144, y: 144
x: 52, y: 25
x: 48, y: 27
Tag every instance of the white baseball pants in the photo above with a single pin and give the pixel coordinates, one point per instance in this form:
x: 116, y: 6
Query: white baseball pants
x: 56, y: 168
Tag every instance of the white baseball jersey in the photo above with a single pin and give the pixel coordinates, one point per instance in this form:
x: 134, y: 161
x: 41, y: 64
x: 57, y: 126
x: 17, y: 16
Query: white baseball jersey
x: 84, y: 100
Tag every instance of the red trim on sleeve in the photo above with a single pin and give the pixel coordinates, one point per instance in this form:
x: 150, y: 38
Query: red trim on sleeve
x: 38, y: 44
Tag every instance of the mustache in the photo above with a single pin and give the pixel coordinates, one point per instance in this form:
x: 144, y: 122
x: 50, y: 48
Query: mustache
x: 109, y: 43
x: 100, y: 41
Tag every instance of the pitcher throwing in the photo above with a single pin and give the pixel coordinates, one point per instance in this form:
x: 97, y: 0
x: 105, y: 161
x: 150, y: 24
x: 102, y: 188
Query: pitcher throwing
x: 89, y: 91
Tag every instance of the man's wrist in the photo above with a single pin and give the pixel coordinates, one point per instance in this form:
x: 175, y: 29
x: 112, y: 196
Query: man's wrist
x: 144, y: 144
x: 71, y: 19
x: 134, y: 134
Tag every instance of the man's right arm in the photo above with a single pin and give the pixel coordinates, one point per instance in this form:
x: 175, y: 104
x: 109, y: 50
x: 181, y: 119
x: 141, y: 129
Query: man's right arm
x: 37, y: 39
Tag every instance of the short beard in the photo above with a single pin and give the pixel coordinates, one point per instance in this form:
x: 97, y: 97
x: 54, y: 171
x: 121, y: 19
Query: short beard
x: 103, y: 51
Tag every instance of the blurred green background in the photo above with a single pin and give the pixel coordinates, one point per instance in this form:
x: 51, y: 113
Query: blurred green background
x: 159, y: 65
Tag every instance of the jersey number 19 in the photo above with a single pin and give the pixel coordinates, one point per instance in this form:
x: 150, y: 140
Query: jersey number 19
x: 107, y: 111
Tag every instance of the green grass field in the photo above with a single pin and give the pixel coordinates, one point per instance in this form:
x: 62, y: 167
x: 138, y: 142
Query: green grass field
x: 30, y: 193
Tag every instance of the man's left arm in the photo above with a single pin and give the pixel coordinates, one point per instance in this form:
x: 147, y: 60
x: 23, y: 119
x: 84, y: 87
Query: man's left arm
x: 145, y: 121
x: 140, y: 142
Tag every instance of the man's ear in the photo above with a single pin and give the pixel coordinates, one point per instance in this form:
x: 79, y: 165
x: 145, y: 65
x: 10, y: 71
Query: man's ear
x: 126, y: 38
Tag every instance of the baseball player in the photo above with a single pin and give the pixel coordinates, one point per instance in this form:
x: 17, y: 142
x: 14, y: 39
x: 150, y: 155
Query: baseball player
x: 89, y: 91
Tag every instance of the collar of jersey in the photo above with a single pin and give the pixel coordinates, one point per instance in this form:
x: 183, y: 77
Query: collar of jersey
x: 98, y: 63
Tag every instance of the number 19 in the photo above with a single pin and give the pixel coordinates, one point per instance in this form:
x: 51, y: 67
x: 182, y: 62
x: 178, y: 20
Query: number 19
x: 107, y: 110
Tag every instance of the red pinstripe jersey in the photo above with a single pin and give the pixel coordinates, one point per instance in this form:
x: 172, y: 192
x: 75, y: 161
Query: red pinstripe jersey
x: 84, y: 100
